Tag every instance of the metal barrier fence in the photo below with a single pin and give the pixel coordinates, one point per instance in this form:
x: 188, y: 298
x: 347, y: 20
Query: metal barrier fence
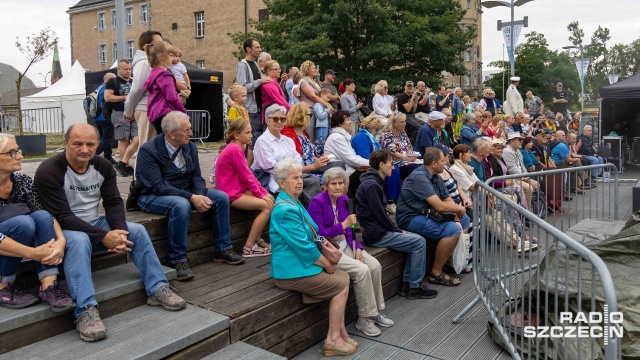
x: 531, y: 289
x: 200, y: 124
x: 37, y: 121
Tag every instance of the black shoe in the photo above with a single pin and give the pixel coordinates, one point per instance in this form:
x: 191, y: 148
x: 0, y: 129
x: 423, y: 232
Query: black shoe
x: 113, y: 162
x: 121, y: 168
x: 229, y: 257
x: 129, y: 170
x: 183, y: 271
x: 404, y: 289
x: 421, y: 292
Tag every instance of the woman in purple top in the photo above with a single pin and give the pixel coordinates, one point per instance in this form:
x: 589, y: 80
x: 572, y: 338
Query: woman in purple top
x: 329, y: 210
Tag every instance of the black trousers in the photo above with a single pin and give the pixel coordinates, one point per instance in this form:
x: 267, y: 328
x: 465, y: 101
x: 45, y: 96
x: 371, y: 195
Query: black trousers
x: 105, y: 128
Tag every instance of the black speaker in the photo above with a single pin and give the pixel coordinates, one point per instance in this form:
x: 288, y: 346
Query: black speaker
x: 635, y: 151
x: 615, y: 144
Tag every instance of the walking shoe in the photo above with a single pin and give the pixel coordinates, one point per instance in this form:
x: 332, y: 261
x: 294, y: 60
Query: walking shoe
x: 117, y: 154
x: 367, y: 327
x: 404, y: 289
x: 229, y: 257
x: 383, y: 321
x: 113, y: 162
x: 13, y: 297
x: 421, y: 292
x: 129, y: 170
x: 166, y: 298
x: 121, y: 168
x: 183, y: 271
x: 90, y: 326
x: 56, y: 298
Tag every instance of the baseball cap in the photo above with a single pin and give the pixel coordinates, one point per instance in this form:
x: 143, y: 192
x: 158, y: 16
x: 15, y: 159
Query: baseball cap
x: 330, y: 71
x: 408, y: 83
x: 559, y: 83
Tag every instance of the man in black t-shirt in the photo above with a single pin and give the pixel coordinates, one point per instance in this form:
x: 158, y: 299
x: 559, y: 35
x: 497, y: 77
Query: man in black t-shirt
x: 423, y: 101
x: 560, y: 100
x: 444, y: 99
x: 124, y: 131
x: 407, y: 104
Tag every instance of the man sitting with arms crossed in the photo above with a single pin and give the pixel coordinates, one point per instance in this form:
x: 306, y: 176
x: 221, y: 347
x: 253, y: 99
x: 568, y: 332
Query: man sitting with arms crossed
x: 70, y: 186
x: 168, y: 169
x: 424, y: 190
x: 381, y: 231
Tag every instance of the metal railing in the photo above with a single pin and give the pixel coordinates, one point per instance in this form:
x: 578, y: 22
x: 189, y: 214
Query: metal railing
x: 36, y: 121
x: 531, y: 288
x: 200, y: 124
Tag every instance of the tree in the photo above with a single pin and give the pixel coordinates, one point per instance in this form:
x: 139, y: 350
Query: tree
x: 367, y: 40
x: 35, y: 48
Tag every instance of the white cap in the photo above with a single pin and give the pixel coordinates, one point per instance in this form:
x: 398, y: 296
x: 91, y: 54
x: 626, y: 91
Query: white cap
x: 437, y: 115
x: 514, y: 78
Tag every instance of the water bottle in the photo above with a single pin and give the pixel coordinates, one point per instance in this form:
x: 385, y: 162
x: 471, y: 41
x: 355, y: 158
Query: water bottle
x: 607, y: 176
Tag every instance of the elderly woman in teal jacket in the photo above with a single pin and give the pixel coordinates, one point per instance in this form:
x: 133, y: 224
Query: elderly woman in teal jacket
x: 298, y: 265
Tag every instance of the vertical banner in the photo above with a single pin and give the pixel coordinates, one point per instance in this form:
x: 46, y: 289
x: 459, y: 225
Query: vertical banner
x: 506, y: 34
x: 613, y: 78
x: 582, y: 65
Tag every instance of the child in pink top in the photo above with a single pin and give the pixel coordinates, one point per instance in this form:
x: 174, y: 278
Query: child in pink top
x: 272, y: 92
x: 161, y: 85
x: 233, y: 176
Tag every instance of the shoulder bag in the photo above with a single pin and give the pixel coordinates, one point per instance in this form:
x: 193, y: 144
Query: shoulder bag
x: 438, y: 216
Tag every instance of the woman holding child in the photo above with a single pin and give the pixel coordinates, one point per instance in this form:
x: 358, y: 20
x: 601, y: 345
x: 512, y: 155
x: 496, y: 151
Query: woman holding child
x: 272, y: 92
x: 245, y: 192
x: 310, y: 92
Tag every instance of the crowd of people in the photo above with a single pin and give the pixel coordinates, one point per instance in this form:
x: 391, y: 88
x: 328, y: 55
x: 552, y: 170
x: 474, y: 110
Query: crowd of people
x: 313, y: 160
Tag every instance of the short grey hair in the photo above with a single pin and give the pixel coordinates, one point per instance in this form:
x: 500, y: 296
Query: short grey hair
x: 272, y: 109
x: 480, y: 143
x: 587, y: 126
x: 468, y: 117
x: 283, y: 167
x: 171, y: 121
x: 263, y: 55
x: 332, y: 173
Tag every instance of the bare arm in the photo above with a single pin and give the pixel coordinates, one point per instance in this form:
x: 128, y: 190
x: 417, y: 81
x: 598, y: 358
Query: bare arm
x: 110, y: 97
x: 187, y: 80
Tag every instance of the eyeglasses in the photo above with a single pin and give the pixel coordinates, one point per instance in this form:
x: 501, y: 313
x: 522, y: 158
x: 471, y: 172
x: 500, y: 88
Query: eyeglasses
x: 278, y: 69
x: 12, y: 153
x: 385, y: 87
x: 308, y: 114
x: 278, y: 119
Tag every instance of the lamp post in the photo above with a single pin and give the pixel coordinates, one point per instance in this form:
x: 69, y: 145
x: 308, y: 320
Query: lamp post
x: 581, y: 70
x: 613, y: 77
x: 512, y: 5
x: 44, y: 76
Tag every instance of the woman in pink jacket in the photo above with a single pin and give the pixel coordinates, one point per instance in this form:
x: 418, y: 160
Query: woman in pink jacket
x: 272, y: 92
x: 161, y: 85
x: 233, y: 176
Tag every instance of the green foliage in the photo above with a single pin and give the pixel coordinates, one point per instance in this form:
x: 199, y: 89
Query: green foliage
x: 367, y: 40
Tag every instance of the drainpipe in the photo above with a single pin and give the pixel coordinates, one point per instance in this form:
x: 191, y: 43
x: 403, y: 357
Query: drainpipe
x: 246, y: 18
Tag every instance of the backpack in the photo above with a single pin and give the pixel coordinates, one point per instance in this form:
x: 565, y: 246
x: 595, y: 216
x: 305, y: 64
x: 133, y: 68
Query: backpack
x: 90, y: 103
x: 539, y: 204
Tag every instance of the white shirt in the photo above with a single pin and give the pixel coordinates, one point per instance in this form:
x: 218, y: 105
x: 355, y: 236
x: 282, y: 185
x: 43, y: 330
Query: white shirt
x: 339, y: 144
x: 179, y: 161
x: 381, y: 106
x: 269, y: 150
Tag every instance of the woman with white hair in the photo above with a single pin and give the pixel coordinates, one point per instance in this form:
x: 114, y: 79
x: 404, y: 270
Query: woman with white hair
x: 329, y: 211
x: 396, y: 140
x: 381, y: 105
x: 297, y: 263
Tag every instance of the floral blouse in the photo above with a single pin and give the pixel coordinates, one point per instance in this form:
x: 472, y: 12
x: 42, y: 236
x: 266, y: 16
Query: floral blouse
x: 397, y: 144
x: 24, y: 191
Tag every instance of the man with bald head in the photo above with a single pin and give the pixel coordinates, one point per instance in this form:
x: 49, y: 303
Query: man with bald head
x: 103, y: 122
x: 71, y: 186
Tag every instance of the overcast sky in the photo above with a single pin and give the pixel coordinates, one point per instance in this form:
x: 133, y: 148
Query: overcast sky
x: 21, y: 18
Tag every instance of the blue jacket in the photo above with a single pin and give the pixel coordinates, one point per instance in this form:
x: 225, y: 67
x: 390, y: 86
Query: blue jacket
x: 153, y: 156
x: 468, y: 134
x: 362, y: 144
x: 293, y: 251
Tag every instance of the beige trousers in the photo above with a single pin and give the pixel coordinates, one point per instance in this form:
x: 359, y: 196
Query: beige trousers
x: 146, y: 131
x: 367, y: 281
x: 528, y: 188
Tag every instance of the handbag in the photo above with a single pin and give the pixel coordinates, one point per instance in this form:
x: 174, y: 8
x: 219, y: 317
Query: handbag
x: 135, y: 188
x: 438, y: 216
x: 12, y: 210
x: 327, y: 247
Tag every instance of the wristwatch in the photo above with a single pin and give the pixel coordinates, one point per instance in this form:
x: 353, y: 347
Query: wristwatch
x: 2, y: 236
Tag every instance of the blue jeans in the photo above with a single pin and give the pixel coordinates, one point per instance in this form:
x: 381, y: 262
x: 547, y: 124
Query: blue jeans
x: 415, y: 245
x: 77, y: 263
x: 34, y: 229
x: 179, y: 211
x: 432, y: 229
x: 595, y: 160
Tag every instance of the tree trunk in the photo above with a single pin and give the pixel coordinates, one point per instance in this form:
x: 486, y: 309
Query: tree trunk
x: 18, y: 83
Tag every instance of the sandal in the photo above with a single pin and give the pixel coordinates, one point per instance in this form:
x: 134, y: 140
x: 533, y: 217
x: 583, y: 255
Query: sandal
x: 442, y: 280
x: 260, y: 241
x: 255, y: 251
x: 351, y: 341
x: 533, y: 239
x: 334, y: 350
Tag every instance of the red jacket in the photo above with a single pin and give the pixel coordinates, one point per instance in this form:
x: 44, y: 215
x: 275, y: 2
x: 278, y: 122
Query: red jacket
x: 291, y: 133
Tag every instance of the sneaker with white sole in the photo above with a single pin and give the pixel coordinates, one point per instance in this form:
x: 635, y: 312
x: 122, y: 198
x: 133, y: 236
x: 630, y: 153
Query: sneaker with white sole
x: 367, y: 327
x: 383, y: 321
x: 90, y: 326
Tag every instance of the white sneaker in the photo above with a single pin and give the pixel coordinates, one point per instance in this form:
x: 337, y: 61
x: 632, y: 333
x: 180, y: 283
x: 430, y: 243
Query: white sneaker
x: 525, y: 245
x: 367, y: 327
x: 135, y: 155
x: 383, y: 321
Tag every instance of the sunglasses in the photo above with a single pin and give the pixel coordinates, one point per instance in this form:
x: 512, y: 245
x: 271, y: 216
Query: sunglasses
x: 278, y: 119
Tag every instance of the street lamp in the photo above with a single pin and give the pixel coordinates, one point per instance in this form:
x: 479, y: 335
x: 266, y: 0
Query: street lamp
x: 512, y: 5
x: 613, y: 77
x: 581, y: 69
x: 44, y: 76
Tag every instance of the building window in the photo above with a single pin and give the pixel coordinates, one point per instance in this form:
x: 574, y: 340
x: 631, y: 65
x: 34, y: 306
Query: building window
x: 263, y: 15
x: 129, y: 15
x: 467, y: 81
x: 131, y: 49
x: 102, y: 53
x: 102, y: 20
x: 114, y: 51
x: 200, y: 64
x: 113, y: 18
x: 144, y: 13
x: 200, y: 24
x: 468, y: 4
x: 467, y: 55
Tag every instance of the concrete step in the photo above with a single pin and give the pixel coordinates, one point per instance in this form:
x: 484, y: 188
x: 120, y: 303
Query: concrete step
x: 242, y: 351
x: 144, y: 332
x: 117, y: 289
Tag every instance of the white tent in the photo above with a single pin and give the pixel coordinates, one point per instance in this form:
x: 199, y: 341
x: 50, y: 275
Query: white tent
x: 67, y: 93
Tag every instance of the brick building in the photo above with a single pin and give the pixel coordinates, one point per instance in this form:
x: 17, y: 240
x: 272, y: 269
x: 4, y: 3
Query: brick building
x: 199, y: 28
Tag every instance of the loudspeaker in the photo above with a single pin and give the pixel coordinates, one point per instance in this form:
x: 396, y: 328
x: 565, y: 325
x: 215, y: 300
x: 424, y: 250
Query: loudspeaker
x: 635, y: 151
x: 615, y: 144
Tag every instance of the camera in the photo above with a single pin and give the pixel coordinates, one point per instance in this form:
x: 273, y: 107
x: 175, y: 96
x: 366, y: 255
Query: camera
x: 363, y: 100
